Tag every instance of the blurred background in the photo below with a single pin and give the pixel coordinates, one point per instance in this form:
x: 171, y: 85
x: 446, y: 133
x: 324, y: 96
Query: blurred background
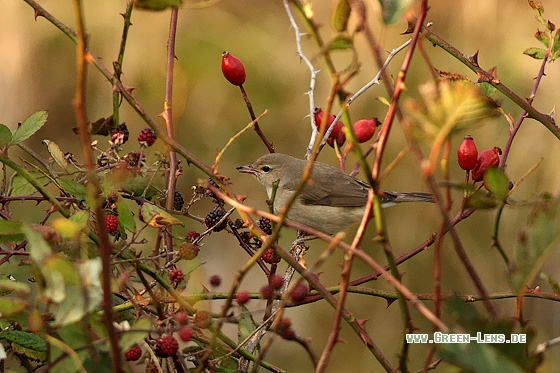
x: 37, y: 73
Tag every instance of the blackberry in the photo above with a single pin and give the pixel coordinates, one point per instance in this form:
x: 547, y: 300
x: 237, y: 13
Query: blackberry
x: 188, y: 251
x: 299, y: 293
x: 242, y: 297
x: 276, y: 282
x: 265, y: 225
x: 133, y: 354
x: 176, y: 276
x: 185, y: 334
x: 147, y: 137
x: 120, y: 134
x: 166, y: 346
x: 213, y: 218
x: 111, y: 223
x: 178, y: 201
x: 192, y: 235
x: 270, y: 257
x: 215, y: 280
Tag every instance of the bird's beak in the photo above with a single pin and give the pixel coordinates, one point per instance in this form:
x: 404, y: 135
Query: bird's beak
x: 247, y: 169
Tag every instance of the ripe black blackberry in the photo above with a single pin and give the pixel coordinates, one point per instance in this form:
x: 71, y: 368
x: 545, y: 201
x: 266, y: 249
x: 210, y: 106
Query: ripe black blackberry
x: 213, y: 218
x: 265, y: 225
x: 147, y: 137
x: 120, y: 134
x: 178, y: 201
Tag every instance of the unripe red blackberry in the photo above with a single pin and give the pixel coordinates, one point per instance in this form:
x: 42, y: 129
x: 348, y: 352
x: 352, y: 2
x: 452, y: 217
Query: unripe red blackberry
x: 111, y: 223
x: 188, y: 251
x: 133, y: 354
x: 147, y: 137
x: 213, y: 218
x: 176, y: 276
x: 486, y: 159
x: 269, y: 256
x: 192, y: 235
x: 266, y: 292
x: 215, y: 280
x: 185, y: 334
x: 233, y: 69
x: 242, y: 297
x: 265, y: 225
x: 276, y: 282
x: 299, y: 293
x: 178, y: 201
x: 120, y: 134
x: 288, y: 334
x: 166, y: 346
x: 182, y: 318
x: 467, y: 154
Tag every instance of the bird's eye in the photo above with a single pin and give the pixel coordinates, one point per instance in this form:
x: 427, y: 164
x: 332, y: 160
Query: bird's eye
x: 266, y: 168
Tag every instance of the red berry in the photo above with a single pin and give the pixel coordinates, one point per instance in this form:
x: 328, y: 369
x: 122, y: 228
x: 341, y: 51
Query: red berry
x: 166, y: 346
x: 233, y: 69
x: 288, y: 334
x: 242, y: 297
x: 133, y: 354
x: 275, y: 282
x: 269, y: 256
x: 467, y: 155
x: 486, y: 159
x: 111, y: 223
x: 267, y: 292
x: 182, y: 318
x: 336, y: 133
x: 147, y: 137
x: 176, y: 275
x: 188, y: 251
x: 192, y: 235
x: 364, y: 129
x: 299, y: 293
x: 185, y: 334
x: 215, y: 280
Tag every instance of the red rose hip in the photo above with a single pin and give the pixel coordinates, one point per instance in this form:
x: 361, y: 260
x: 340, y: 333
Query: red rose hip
x: 467, y: 155
x: 364, y: 129
x: 486, y: 159
x: 233, y: 69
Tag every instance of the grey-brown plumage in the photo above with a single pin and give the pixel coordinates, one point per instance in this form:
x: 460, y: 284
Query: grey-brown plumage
x: 331, y: 201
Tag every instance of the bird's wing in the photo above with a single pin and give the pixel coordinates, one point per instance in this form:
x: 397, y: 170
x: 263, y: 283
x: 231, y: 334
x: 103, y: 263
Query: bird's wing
x: 333, y: 188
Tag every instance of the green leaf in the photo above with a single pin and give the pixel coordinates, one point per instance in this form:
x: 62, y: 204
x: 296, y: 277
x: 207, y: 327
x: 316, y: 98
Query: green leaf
x: 246, y: 325
x: 25, y: 339
x: 497, y: 183
x: 480, y: 201
x: 126, y: 218
x: 39, y: 249
x: 29, y: 127
x: 8, y: 286
x: 5, y: 135
x: 341, y: 42
x: 391, y: 10
x: 536, y: 53
x: 341, y: 15
x: 157, y: 5
x: 12, y: 306
x: 22, y: 187
x: 156, y: 217
x: 136, y: 334
x: 540, y: 238
x: 11, y: 231
x: 56, y: 153
x: 555, y: 46
x: 137, y: 185
x: 543, y: 37
x: 72, y: 188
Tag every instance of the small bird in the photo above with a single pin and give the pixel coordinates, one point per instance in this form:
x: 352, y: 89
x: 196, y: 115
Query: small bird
x: 331, y: 201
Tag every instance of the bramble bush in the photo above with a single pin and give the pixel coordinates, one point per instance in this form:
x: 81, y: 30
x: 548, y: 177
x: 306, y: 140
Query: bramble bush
x: 107, y: 276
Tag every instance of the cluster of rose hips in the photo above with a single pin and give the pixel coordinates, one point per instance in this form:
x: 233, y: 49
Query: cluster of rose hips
x: 363, y: 129
x: 471, y: 160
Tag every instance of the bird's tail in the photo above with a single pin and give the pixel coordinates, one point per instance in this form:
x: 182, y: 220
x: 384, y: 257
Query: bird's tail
x: 392, y: 198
